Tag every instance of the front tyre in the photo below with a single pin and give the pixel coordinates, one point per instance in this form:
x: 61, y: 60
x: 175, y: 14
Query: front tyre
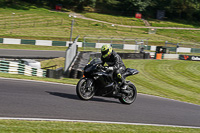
x: 83, y: 92
x: 129, y: 98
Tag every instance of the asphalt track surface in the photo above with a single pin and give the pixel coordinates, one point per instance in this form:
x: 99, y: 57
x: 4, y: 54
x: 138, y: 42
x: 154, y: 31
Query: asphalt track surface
x: 30, y: 99
x: 31, y: 53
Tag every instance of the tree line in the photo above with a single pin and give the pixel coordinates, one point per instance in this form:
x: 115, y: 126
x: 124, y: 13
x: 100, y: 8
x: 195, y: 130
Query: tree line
x: 174, y: 9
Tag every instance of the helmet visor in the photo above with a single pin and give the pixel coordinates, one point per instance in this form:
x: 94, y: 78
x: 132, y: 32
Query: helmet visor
x: 106, y: 53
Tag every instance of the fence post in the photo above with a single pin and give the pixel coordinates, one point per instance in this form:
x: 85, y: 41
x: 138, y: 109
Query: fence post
x: 71, y: 30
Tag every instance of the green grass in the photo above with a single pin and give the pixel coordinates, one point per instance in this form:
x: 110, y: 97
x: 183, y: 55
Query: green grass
x: 189, y: 36
x: 159, y: 23
x: 74, y: 127
x: 48, y: 25
x: 131, y: 21
x: 174, y: 79
x: 59, y: 62
x: 62, y: 80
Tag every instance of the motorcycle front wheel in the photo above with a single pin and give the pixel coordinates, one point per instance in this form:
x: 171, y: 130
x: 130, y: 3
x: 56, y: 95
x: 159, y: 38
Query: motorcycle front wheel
x: 129, y: 98
x: 83, y: 92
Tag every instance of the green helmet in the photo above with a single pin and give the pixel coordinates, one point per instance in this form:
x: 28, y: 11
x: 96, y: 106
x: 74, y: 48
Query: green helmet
x: 106, y: 50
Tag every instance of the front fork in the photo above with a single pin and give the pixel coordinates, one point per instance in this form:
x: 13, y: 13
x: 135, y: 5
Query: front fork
x: 89, y: 84
x: 116, y: 88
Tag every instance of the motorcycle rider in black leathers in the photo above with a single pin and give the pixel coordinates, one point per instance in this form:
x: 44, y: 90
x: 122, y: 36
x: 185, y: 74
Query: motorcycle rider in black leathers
x: 115, y: 64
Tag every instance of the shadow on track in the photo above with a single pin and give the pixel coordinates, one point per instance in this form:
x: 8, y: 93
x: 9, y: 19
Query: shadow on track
x: 75, y: 97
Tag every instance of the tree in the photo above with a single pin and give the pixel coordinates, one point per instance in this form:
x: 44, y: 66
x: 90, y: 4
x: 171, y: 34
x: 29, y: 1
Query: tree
x: 128, y: 6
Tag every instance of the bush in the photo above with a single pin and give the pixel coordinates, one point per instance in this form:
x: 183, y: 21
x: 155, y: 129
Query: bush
x: 97, y: 24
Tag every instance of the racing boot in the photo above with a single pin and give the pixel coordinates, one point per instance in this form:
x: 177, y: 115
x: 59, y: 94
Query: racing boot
x: 123, y: 84
x: 124, y: 88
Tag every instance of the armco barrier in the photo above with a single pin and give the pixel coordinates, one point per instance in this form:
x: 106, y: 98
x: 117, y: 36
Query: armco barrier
x: 94, y: 45
x: 18, y: 68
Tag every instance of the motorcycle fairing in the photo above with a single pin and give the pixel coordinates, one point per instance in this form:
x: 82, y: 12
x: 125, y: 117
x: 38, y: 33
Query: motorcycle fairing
x: 130, y: 71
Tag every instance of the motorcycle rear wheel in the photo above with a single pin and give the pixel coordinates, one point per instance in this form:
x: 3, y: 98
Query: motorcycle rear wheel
x: 129, y: 98
x: 82, y: 92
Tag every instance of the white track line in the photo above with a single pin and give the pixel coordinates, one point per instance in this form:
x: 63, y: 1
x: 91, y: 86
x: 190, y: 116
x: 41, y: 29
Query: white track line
x: 88, y: 121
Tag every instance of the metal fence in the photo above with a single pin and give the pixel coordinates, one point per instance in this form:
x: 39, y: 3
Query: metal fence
x: 113, y: 40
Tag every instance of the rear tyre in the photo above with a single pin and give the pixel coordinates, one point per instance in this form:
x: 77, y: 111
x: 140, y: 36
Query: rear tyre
x: 83, y: 92
x: 129, y: 98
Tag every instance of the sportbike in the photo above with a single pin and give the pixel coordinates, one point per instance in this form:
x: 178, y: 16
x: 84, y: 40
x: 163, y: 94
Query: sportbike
x: 96, y: 81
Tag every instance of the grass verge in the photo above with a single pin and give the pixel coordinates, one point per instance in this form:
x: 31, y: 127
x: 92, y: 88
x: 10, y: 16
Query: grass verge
x: 174, y: 79
x: 62, y: 80
x: 58, y: 127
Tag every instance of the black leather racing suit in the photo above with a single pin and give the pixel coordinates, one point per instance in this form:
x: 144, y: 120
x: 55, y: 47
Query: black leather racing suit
x: 115, y: 61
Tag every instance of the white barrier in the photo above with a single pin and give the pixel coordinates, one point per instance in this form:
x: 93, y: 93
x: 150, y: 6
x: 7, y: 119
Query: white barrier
x: 153, y: 48
x: 70, y: 55
x: 183, y: 50
x: 43, y: 42
x: 96, y: 45
x: 131, y: 47
x: 171, y: 56
x: 99, y: 45
x: 11, y: 41
x: 19, y: 68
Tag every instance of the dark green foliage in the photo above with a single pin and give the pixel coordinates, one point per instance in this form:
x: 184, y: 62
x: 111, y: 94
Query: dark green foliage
x: 182, y: 9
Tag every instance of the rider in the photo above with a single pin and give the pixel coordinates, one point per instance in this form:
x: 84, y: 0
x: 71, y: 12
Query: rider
x: 115, y: 64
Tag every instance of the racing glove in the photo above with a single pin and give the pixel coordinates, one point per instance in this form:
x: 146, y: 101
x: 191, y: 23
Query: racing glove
x: 109, y: 68
x: 100, y: 67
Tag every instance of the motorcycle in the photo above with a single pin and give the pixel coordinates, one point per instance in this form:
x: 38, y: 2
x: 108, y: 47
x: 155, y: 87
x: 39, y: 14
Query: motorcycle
x: 96, y: 81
